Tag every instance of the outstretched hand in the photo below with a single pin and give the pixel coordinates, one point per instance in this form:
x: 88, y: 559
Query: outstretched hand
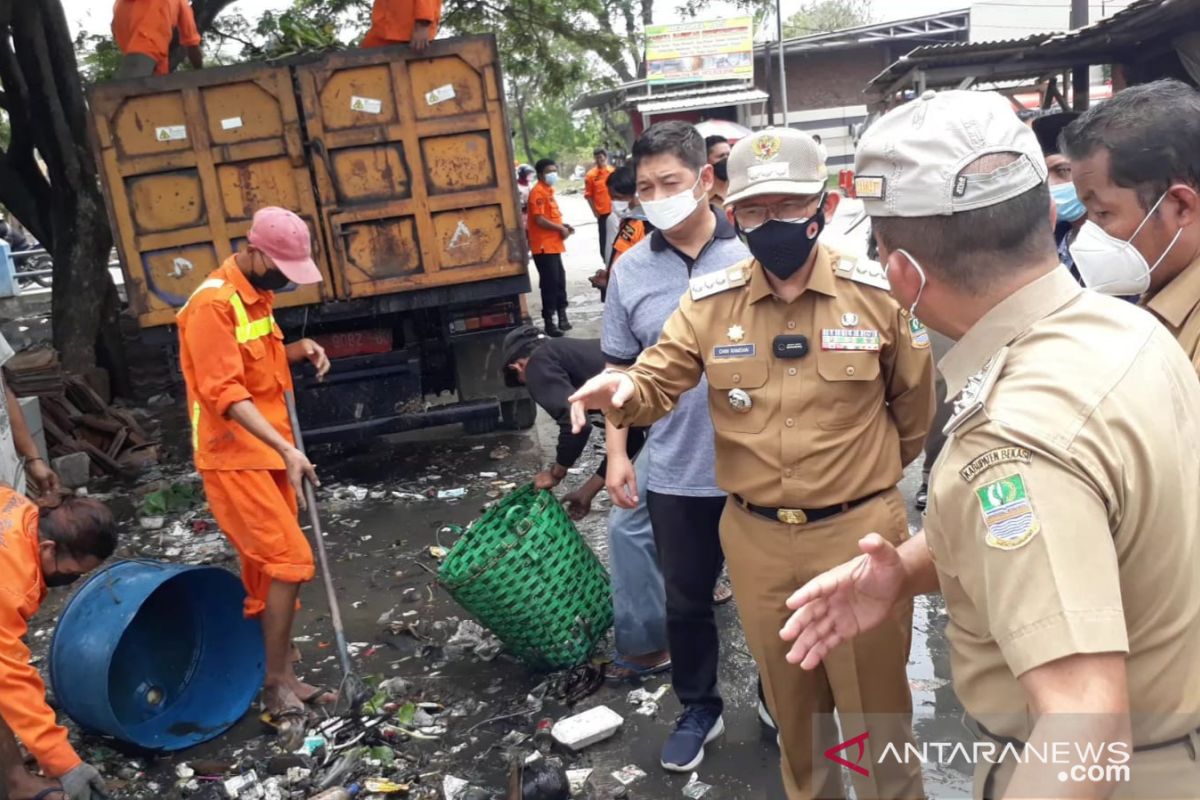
x: 843, y: 602
x: 606, y: 391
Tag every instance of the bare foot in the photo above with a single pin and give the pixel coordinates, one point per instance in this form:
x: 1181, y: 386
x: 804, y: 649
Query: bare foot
x: 279, y: 699
x: 311, y: 695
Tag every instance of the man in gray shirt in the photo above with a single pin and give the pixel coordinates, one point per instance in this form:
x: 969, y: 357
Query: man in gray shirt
x: 691, y: 239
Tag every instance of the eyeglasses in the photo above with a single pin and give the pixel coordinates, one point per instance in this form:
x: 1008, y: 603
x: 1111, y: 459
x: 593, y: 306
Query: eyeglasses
x: 797, y: 210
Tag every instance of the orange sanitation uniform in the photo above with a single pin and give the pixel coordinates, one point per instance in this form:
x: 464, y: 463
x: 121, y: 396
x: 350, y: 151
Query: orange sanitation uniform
x: 22, y: 590
x: 595, y: 186
x: 232, y: 350
x: 146, y: 27
x: 392, y: 21
x: 543, y: 204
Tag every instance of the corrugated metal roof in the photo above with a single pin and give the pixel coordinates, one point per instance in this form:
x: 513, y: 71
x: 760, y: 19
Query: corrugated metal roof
x: 703, y: 101
x: 1092, y: 43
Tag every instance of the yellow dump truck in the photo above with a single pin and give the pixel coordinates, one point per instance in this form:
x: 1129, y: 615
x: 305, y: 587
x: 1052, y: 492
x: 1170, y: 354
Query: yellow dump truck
x: 401, y: 163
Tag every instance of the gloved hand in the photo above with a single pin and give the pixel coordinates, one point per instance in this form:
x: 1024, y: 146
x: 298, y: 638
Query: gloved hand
x: 84, y: 783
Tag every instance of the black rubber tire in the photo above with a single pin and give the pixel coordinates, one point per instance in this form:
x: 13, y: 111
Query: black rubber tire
x: 518, y: 415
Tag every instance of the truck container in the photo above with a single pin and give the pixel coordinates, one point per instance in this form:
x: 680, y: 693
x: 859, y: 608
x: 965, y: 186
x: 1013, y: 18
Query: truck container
x: 400, y: 163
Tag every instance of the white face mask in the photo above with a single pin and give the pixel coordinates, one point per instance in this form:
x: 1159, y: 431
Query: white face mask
x: 1111, y: 265
x: 620, y: 208
x: 912, y: 310
x: 669, y: 212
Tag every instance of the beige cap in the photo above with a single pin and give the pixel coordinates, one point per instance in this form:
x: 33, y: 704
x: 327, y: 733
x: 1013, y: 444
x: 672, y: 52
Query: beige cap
x: 775, y: 161
x: 909, y: 162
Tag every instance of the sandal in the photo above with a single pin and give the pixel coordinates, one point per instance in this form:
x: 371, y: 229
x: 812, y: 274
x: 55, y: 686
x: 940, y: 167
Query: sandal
x: 321, y: 696
x: 623, y: 670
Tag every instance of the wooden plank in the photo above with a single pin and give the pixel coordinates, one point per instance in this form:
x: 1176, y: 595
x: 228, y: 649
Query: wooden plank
x: 118, y: 443
x: 102, y: 424
x: 101, y: 458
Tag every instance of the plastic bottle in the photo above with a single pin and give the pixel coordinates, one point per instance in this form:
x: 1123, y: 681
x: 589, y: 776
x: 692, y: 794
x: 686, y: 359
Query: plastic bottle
x: 338, y: 793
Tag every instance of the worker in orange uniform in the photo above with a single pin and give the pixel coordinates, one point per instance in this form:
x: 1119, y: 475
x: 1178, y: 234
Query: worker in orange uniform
x: 42, y: 549
x: 237, y: 370
x: 411, y: 22
x: 595, y: 189
x: 143, y: 30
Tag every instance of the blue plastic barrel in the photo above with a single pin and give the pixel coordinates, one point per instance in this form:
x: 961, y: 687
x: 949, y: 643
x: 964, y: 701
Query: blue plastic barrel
x: 157, y: 655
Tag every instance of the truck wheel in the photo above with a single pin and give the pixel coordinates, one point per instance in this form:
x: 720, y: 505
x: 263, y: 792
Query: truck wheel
x: 518, y: 415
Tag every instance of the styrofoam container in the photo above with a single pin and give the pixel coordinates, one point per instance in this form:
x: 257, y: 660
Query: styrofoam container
x: 583, y: 730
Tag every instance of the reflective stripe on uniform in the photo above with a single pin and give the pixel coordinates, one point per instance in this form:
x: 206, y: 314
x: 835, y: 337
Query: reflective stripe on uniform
x: 247, y: 330
x: 211, y: 283
x: 195, y: 425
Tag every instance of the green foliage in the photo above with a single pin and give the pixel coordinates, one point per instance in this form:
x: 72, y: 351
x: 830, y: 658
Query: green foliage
x: 98, y: 57
x: 821, y: 16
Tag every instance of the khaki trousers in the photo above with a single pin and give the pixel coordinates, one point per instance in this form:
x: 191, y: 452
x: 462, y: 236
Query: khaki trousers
x: 768, y: 561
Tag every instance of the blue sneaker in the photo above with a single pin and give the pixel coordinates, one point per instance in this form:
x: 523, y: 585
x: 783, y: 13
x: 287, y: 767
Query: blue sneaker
x: 696, y: 727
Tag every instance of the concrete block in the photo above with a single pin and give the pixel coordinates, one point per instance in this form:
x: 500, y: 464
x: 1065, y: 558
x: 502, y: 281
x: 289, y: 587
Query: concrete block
x: 73, y: 469
x: 31, y: 410
x: 583, y: 730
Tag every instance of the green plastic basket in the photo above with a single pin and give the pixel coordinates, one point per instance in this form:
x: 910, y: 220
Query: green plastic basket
x: 525, y: 573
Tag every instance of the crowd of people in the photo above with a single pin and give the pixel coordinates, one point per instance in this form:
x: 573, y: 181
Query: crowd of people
x: 781, y: 387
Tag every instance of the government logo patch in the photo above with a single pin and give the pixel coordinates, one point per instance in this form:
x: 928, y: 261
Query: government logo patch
x: 991, y: 458
x: 920, y: 336
x: 1007, y: 513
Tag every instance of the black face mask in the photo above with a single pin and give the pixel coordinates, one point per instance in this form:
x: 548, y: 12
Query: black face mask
x: 56, y: 581
x: 270, y: 281
x: 721, y: 169
x: 784, y: 247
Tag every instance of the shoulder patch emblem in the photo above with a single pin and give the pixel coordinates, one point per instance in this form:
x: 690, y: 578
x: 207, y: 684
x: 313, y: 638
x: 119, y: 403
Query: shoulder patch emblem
x: 918, y: 334
x: 1000, y: 455
x: 717, y: 282
x: 974, y: 395
x: 1007, y: 513
x: 872, y: 273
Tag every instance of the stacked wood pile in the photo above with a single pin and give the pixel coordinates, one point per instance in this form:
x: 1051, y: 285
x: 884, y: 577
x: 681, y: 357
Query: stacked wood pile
x: 76, y: 419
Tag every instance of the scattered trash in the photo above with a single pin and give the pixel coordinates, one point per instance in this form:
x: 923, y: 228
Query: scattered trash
x: 545, y: 779
x: 695, y: 788
x: 578, y: 779
x: 582, y: 730
x: 453, y: 787
x: 383, y: 786
x: 175, y: 498
x: 471, y: 637
x: 312, y: 744
x: 451, y: 494
x: 489, y: 474
x: 244, y: 786
x: 628, y: 774
x: 184, y: 771
x: 647, y: 702
x: 437, y: 552
x: 500, y: 453
x: 339, y: 793
x: 152, y: 523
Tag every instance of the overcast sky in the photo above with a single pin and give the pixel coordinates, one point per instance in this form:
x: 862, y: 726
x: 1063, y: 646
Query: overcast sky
x: 95, y: 16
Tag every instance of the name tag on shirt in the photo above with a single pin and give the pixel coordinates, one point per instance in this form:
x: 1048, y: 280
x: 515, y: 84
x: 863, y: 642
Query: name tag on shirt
x: 849, y: 339
x: 734, y: 351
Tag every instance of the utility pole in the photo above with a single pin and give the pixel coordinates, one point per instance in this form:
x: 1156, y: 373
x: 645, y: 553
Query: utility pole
x: 783, y: 99
x: 1080, y: 84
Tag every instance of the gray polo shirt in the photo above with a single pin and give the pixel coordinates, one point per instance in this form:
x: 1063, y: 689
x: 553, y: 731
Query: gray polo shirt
x: 644, y: 289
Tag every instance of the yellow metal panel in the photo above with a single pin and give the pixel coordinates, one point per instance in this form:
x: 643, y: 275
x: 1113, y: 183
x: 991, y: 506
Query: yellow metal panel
x: 457, y: 163
x: 182, y: 205
x: 166, y: 201
x: 359, y: 97
x: 247, y: 186
x: 152, y: 124
x: 377, y: 172
x: 379, y: 249
x: 469, y: 237
x: 241, y: 112
x: 445, y: 87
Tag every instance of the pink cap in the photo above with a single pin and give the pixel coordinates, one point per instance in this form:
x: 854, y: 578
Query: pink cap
x: 283, y: 236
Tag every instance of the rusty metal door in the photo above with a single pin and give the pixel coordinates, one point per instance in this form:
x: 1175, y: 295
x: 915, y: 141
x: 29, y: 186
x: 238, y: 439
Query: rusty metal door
x: 413, y: 166
x: 185, y: 161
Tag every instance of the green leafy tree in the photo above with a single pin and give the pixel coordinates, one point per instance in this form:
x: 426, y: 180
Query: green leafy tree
x: 822, y: 16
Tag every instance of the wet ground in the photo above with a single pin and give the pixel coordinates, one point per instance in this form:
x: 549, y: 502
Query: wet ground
x: 380, y: 525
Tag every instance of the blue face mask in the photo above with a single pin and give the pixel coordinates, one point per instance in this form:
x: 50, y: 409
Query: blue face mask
x: 550, y: 178
x: 1067, y: 202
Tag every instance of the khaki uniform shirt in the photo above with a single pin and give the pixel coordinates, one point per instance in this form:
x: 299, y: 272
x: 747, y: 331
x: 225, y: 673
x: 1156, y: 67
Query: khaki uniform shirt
x: 1064, y: 516
x: 1178, y: 305
x: 831, y: 425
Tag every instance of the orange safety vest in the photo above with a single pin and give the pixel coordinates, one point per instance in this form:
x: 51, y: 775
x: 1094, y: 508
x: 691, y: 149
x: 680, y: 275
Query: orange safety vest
x: 230, y: 349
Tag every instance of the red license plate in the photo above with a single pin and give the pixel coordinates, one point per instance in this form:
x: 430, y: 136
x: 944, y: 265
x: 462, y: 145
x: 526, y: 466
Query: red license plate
x: 356, y: 343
